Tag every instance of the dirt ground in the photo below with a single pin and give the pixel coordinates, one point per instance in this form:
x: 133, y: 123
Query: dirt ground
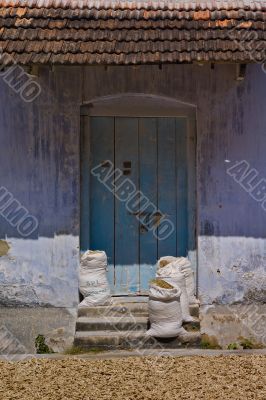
x: 202, y: 377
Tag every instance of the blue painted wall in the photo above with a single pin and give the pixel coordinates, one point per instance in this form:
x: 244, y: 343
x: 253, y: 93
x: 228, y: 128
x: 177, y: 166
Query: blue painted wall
x: 39, y: 152
x: 39, y: 156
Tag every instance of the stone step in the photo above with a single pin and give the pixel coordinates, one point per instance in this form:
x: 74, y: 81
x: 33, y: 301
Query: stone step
x: 124, y: 309
x: 137, y: 309
x: 108, y: 340
x: 130, y: 299
x: 121, y: 323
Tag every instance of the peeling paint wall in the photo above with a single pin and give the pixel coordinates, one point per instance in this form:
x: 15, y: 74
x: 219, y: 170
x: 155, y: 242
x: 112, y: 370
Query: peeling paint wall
x: 231, y: 123
x: 234, y: 270
x: 39, y: 156
x: 40, y: 272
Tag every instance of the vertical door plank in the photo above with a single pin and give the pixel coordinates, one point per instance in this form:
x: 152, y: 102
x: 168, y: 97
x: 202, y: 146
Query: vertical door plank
x: 101, y: 199
x: 85, y: 183
x: 182, y: 187
x: 167, y: 181
x: 148, y: 186
x: 126, y: 224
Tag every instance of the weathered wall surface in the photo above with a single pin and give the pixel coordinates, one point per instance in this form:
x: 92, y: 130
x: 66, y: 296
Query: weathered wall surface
x: 39, y: 156
x: 40, y: 168
x: 21, y: 326
x: 231, y: 125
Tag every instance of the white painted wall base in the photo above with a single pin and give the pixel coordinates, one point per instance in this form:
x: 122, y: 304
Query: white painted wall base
x: 40, y: 272
x: 231, y: 270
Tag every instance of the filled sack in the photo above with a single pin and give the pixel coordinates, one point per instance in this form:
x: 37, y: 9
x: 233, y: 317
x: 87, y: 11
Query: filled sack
x: 93, y: 283
x: 164, y: 310
x: 185, y: 267
x: 190, y: 283
x: 171, y: 269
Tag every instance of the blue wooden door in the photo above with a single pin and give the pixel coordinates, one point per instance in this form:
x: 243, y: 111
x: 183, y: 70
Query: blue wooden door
x: 134, y: 181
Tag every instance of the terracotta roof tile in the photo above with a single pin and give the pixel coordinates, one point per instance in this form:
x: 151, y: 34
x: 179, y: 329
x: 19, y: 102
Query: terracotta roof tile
x: 131, y: 32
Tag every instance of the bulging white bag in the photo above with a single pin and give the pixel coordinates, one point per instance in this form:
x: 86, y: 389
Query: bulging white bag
x: 185, y: 266
x: 165, y: 312
x: 93, y: 283
x: 171, y: 269
x: 190, y: 283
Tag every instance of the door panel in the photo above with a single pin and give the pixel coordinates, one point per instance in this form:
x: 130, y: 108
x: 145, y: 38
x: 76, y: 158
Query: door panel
x: 148, y: 186
x: 151, y: 154
x: 167, y: 181
x: 126, y: 224
x: 181, y: 188
x: 102, y: 200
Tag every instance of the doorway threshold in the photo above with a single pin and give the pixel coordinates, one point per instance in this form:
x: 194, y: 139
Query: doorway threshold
x: 130, y: 299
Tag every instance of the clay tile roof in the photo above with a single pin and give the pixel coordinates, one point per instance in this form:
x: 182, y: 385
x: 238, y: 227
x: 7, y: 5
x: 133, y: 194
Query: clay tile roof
x: 132, y: 32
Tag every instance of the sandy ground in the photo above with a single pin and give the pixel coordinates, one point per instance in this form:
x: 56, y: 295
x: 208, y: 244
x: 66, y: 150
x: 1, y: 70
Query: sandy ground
x: 199, y: 377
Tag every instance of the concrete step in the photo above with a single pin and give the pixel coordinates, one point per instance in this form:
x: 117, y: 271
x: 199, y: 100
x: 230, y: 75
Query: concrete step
x: 120, y: 323
x: 124, y: 309
x: 130, y: 299
x: 108, y: 340
x: 123, y: 323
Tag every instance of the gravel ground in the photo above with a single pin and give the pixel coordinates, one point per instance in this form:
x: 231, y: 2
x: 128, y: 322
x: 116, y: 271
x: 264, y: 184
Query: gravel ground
x: 199, y: 377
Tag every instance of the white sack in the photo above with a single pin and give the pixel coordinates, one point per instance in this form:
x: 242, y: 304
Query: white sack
x: 159, y: 293
x: 173, y: 274
x: 93, y: 283
x: 185, y: 267
x: 190, y: 284
x: 164, y: 312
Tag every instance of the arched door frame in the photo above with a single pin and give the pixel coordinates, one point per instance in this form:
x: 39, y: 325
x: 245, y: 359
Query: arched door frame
x: 145, y: 105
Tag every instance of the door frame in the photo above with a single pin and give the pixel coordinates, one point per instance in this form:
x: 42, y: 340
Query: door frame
x: 140, y: 105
